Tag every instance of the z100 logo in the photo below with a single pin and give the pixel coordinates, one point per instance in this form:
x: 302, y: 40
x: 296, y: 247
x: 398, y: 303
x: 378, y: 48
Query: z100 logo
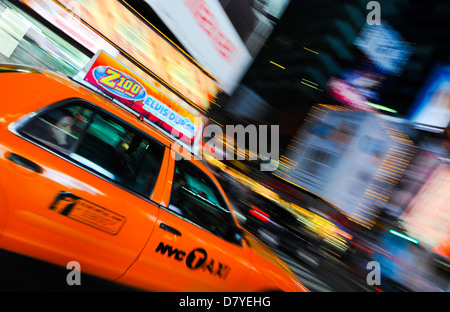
x: 196, y: 259
x: 119, y: 83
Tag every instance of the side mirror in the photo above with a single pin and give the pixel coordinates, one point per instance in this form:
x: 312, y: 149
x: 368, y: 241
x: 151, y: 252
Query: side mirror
x: 239, y: 236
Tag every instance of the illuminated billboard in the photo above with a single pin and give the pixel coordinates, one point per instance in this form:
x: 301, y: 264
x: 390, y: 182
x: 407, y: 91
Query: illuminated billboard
x: 348, y: 157
x: 385, y: 47
x: 428, y: 215
x: 119, y: 26
x: 344, y: 92
x: 212, y: 31
x: 432, y: 105
x: 71, y: 25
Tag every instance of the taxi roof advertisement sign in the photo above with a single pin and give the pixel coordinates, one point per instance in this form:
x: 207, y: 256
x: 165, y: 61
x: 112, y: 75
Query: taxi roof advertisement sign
x: 117, y: 81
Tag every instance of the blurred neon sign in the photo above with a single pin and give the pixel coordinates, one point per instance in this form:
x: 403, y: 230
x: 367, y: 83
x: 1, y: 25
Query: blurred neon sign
x: 113, y: 27
x: 415, y: 241
x: 428, y: 212
x: 432, y: 105
x: 347, y: 94
x: 206, y: 20
x: 70, y: 25
x: 209, y: 34
x: 385, y: 47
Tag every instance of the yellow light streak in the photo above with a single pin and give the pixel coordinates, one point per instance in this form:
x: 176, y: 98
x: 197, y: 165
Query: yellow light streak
x: 277, y: 64
x: 310, y: 50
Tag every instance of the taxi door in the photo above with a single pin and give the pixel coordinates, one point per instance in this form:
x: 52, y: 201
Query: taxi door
x: 195, y: 245
x: 74, y: 203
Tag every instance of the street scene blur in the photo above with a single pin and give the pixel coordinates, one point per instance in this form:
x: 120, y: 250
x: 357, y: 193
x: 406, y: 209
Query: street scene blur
x: 326, y: 123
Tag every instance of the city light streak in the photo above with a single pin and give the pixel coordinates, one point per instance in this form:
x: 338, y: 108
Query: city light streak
x: 277, y: 64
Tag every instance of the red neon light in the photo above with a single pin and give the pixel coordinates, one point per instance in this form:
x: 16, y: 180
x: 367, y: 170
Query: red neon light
x: 259, y: 214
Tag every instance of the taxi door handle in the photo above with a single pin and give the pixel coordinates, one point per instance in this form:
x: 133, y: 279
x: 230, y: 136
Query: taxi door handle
x: 170, y: 229
x: 22, y: 161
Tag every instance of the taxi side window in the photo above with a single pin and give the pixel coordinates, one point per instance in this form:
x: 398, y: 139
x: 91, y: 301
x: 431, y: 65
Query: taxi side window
x: 100, y: 142
x: 195, y: 197
x: 59, y: 128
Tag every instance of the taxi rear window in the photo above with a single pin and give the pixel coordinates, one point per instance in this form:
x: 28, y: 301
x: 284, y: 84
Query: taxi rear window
x: 100, y: 142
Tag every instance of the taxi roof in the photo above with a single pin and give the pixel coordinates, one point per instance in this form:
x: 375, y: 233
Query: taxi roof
x: 51, y: 87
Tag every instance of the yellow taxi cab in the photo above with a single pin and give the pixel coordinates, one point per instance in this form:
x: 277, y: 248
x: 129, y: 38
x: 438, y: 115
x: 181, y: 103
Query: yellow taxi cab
x: 82, y: 179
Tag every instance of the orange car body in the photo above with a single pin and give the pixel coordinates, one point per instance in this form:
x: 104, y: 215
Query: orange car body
x: 115, y: 234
